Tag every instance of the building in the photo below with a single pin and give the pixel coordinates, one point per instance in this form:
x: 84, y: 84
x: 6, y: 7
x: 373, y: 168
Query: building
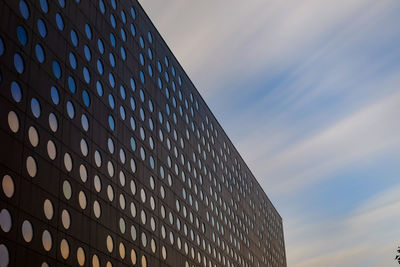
x: 109, y: 156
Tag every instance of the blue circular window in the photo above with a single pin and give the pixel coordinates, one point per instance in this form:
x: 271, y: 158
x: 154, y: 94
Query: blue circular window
x: 70, y: 110
x: 123, y: 54
x: 71, y: 85
x: 111, y: 123
x: 61, y: 3
x: 22, y: 35
x: 142, y: 77
x: 16, y: 91
x: 122, y: 92
x: 100, y: 46
x: 39, y: 53
x: 159, y: 67
x: 133, y: 13
x: 123, y: 35
x: 133, y: 104
x: 88, y: 55
x: 24, y: 9
x: 112, y: 39
x: 74, y: 38
x: 54, y: 95
x: 86, y: 75
x: 114, y: 4
x: 123, y: 17
x: 85, y: 98
x: 19, y: 63
x: 99, y: 88
x: 42, y: 28
x: 44, y: 6
x: 141, y: 41
x: 59, y: 22
x: 111, y: 80
x: 173, y: 71
x: 150, y: 70
x: 133, y: 125
x: 133, y: 144
x: 112, y: 20
x: 141, y: 59
x: 133, y: 84
x: 179, y: 80
x: 99, y: 67
x: 111, y: 101
x: 102, y: 7
x: 159, y: 82
x: 56, y: 69
x: 88, y: 31
x: 141, y: 94
x: 35, y: 107
x: 112, y: 60
x: 166, y: 76
x: 150, y: 37
x: 72, y: 60
x: 122, y: 112
x: 133, y: 30
x: 150, y: 53
x: 166, y: 61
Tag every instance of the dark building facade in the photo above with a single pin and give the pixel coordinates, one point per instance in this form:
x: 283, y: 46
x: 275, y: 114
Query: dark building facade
x: 109, y: 156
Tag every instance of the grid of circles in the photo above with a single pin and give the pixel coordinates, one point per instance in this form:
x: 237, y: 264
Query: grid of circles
x: 177, y: 166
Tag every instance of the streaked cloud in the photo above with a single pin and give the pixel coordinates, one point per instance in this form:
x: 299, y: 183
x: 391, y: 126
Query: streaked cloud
x: 305, y: 90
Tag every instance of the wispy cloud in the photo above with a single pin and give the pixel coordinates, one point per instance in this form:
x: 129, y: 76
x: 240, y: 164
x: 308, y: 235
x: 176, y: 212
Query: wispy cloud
x: 304, y: 89
x: 366, y: 237
x: 366, y: 133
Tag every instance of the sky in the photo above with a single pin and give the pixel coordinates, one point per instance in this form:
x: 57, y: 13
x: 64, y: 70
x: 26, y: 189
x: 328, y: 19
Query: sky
x: 309, y: 93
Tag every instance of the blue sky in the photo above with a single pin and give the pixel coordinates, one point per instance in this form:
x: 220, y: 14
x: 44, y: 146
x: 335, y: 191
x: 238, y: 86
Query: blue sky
x: 309, y: 93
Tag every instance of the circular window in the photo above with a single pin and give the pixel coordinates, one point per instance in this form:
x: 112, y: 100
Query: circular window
x: 24, y: 10
x: 5, y: 221
x: 109, y: 243
x: 144, y: 239
x: 96, y: 209
x: 85, y: 122
x: 18, y: 63
x: 51, y: 150
x: 16, y: 92
x: 133, y: 257
x: 56, y: 69
x: 85, y: 98
x: 8, y: 186
x: 68, y: 162
x: 42, y: 28
x: 80, y: 256
x: 47, y: 241
x: 22, y: 35
x: 59, y: 22
x: 27, y: 231
x: 74, y: 38
x: 97, y: 183
x: 48, y: 209
x: 64, y: 249
x: 13, y: 121
x: 82, y: 200
x: 65, y: 219
x: 67, y: 190
x: 70, y: 110
x: 88, y: 32
x: 53, y: 123
x: 31, y: 166
x: 71, y: 85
